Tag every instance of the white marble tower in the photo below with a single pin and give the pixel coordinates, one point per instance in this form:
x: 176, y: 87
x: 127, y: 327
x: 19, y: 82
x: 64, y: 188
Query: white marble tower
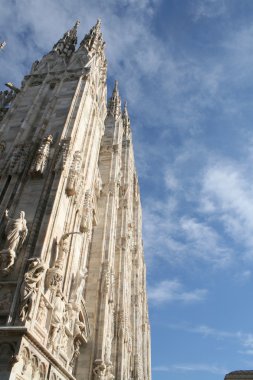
x: 72, y: 274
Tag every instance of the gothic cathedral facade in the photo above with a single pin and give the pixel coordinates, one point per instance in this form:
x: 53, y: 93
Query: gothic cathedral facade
x: 73, y: 299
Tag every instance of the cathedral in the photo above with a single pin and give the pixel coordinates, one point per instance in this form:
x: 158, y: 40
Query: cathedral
x: 73, y: 301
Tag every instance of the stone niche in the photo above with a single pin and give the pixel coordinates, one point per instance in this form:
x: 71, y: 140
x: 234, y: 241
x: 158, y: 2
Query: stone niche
x: 239, y: 375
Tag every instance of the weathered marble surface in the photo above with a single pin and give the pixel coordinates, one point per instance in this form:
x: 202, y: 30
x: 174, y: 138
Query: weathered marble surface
x: 73, y: 289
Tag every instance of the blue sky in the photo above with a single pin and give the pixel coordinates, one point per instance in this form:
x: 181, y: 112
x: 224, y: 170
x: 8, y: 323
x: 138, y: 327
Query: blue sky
x: 186, y: 70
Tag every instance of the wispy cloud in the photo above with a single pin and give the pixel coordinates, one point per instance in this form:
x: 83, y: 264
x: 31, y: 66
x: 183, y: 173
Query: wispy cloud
x: 208, y: 8
x: 192, y: 367
x: 243, y: 339
x: 170, y: 291
x: 228, y: 193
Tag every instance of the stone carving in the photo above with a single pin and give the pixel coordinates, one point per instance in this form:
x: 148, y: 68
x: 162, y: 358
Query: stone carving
x: 41, y: 158
x: 54, y: 275
x: 30, y: 286
x: 62, y: 155
x: 66, y: 45
x: 99, y: 369
x: 74, y: 172
x: 42, y: 312
x: 76, y: 351
x: 18, y: 159
x: 35, y: 66
x: 57, y: 321
x: 32, y: 367
x: 93, y: 41
x: 108, y: 281
x: 98, y: 184
x: 108, y: 372
x: 6, y: 97
x: 114, y: 106
x: 78, y: 286
x: 86, y: 221
x: 15, y: 232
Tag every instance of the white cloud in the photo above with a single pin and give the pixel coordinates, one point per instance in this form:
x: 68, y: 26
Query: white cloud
x: 242, y: 339
x: 169, y: 291
x: 229, y: 192
x: 208, y: 8
x: 192, y: 367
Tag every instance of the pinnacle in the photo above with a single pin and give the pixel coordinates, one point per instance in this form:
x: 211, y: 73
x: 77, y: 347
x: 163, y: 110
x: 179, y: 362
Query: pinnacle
x: 66, y: 45
x: 125, y: 118
x: 114, y: 106
x: 93, y: 41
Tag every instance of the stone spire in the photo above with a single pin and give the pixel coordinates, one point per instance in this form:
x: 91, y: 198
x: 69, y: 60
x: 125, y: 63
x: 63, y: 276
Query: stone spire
x: 66, y: 45
x: 126, y: 120
x: 114, y: 105
x: 93, y: 41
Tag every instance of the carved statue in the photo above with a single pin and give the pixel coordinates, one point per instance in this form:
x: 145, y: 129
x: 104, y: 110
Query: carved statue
x: 6, y: 97
x: 16, y: 163
x: 62, y: 156
x: 57, y: 320
x: 76, y: 351
x: 41, y: 157
x: 99, y: 370
x: 29, y: 288
x: 109, y: 375
x: 16, y: 232
x: 78, y: 286
x: 54, y: 275
x: 87, y: 213
x: 73, y: 178
x: 42, y: 312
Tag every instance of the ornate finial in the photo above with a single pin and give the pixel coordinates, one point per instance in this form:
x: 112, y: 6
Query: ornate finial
x: 66, y: 45
x: 126, y: 120
x: 93, y: 41
x: 114, y: 106
x: 2, y: 45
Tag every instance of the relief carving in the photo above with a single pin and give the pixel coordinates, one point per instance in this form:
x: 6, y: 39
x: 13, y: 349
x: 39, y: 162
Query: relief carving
x: 18, y: 159
x: 78, y: 286
x: 42, y: 312
x: 15, y: 234
x: 86, y: 221
x: 108, y: 281
x: 99, y: 369
x: 57, y: 321
x: 54, y: 275
x: 41, y: 158
x: 76, y: 351
x: 30, y: 286
x: 74, y: 174
x: 62, y: 157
